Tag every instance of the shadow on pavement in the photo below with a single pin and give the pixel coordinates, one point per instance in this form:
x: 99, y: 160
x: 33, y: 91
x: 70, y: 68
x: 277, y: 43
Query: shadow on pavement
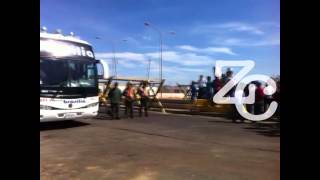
x: 102, y: 116
x: 105, y: 114
x: 266, y: 129
x: 221, y: 121
x: 45, y: 126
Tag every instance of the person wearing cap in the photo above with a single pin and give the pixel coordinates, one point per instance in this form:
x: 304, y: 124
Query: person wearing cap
x: 128, y: 93
x: 143, y: 92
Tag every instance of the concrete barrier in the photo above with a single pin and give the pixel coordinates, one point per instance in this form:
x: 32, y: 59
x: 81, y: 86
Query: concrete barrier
x: 170, y: 96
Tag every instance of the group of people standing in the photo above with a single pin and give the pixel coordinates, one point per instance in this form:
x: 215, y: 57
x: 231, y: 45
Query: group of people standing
x: 130, y: 95
x: 207, y: 88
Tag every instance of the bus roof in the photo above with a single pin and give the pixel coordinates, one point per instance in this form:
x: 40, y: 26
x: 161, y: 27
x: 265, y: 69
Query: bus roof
x: 62, y: 37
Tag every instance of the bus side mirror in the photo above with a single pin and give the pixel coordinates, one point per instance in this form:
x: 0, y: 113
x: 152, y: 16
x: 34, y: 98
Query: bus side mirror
x: 102, y: 69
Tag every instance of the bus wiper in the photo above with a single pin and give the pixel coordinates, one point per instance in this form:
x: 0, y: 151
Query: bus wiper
x: 80, y: 85
x: 61, y: 85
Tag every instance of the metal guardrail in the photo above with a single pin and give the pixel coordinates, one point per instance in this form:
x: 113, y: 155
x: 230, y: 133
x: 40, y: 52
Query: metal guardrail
x: 135, y: 81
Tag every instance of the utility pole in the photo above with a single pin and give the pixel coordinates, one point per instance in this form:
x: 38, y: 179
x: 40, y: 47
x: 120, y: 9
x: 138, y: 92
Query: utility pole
x: 148, y: 70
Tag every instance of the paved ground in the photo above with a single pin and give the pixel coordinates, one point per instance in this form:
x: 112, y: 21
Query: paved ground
x: 161, y: 147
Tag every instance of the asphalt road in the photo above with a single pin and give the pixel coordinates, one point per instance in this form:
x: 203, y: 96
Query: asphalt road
x: 160, y: 147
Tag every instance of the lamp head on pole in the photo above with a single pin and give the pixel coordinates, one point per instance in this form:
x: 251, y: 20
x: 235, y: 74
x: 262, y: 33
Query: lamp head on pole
x: 146, y: 24
x: 172, y: 33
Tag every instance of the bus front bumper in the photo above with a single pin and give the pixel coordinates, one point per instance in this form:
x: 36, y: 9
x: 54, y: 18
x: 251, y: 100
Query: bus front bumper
x: 61, y: 115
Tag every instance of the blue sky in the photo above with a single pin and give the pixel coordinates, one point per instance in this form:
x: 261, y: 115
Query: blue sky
x: 206, y: 31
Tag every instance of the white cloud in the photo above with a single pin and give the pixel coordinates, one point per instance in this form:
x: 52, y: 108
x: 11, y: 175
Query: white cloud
x: 220, y: 50
x: 241, y: 27
x: 178, y: 67
x: 240, y: 33
x: 183, y: 75
x: 266, y: 41
x: 184, y: 59
x: 187, y: 47
x: 269, y: 24
x: 128, y: 65
x: 232, y: 41
x: 132, y: 40
x: 188, y: 59
x: 131, y: 56
x: 208, y: 50
x: 148, y: 38
x: 195, y: 70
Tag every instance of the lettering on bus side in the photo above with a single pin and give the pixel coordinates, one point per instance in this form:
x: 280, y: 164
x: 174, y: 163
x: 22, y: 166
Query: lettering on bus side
x: 74, y: 101
x: 60, y: 49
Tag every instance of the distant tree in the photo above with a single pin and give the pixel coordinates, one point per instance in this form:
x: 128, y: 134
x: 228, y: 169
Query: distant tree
x: 276, y: 78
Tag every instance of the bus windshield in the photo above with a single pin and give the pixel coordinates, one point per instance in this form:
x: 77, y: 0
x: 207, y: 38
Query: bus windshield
x: 67, y: 73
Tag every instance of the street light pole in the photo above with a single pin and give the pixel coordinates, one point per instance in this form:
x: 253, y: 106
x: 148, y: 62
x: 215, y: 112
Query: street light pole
x: 115, y: 62
x: 160, y: 59
x: 148, y: 70
x: 161, y: 49
x: 114, y: 59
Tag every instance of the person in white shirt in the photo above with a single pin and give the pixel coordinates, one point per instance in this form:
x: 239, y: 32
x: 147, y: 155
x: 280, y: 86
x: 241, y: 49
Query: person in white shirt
x: 144, y: 94
x: 202, y: 87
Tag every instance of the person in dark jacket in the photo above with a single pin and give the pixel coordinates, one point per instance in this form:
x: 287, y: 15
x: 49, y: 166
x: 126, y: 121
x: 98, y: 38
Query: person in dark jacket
x: 231, y: 93
x: 194, y: 91
x: 202, y: 87
x: 249, y: 107
x: 217, y: 85
x: 259, y: 99
x: 209, y: 88
x: 276, y: 97
x: 229, y: 78
x: 115, y: 98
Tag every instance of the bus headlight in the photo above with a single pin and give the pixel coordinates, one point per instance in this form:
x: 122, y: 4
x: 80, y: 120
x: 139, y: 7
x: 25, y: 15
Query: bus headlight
x: 43, y: 107
x: 92, y: 105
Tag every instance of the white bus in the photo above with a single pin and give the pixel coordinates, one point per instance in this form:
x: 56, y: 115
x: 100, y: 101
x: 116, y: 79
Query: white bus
x: 68, y: 78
